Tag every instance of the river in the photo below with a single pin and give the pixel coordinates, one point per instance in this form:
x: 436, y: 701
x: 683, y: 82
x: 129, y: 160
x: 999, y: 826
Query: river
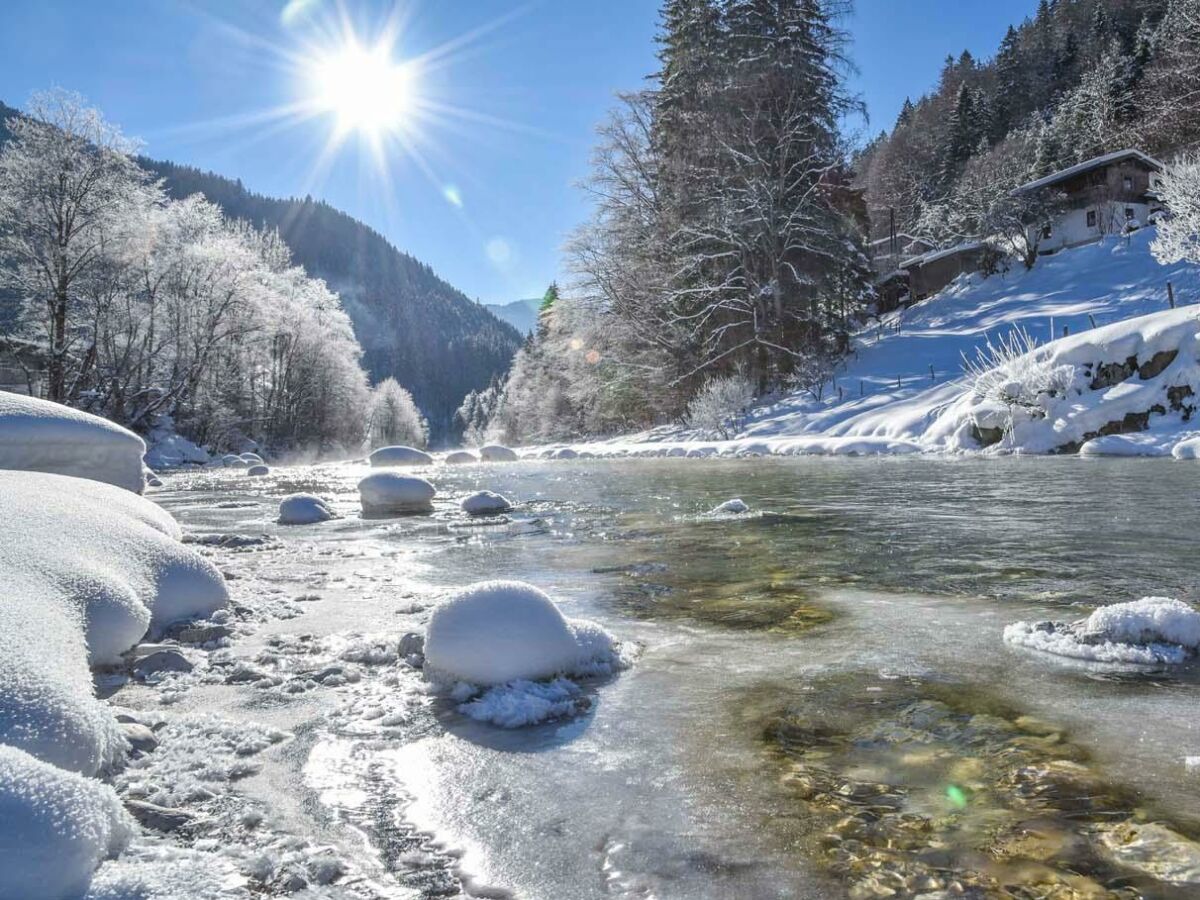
x: 820, y: 705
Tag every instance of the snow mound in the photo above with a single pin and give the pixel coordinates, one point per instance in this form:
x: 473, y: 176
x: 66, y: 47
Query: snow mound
x: 258, y: 469
x: 485, y: 503
x: 91, y: 598
x: 1187, y: 449
x: 1150, y: 631
x: 304, y: 509
x: 40, y: 436
x: 495, y: 632
x: 400, y: 456
x: 461, y: 457
x: 233, y: 461
x: 55, y: 828
x: 251, y: 458
x: 736, y: 506
x: 386, y: 493
x: 497, y: 453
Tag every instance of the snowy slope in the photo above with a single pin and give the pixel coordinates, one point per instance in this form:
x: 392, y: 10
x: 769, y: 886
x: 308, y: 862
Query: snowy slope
x: 1109, y: 282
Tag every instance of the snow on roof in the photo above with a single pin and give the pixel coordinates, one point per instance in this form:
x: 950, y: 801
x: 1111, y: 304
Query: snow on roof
x: 934, y: 255
x: 1088, y: 165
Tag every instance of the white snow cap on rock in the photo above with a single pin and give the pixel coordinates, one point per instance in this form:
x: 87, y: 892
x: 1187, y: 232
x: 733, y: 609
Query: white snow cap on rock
x: 483, y: 503
x: 304, y: 509
x: 495, y: 632
x: 386, y: 493
x: 736, y: 506
x: 258, y: 469
x: 40, y: 436
x: 55, y: 828
x: 461, y: 457
x: 1150, y: 631
x: 233, y: 461
x: 400, y: 456
x: 89, y: 598
x: 497, y: 453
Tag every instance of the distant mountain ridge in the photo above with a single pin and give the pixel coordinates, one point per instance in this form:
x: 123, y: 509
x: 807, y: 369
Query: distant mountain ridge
x: 412, y: 324
x: 520, y: 314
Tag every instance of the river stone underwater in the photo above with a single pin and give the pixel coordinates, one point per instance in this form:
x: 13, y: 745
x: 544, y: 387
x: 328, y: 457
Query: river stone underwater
x: 820, y: 706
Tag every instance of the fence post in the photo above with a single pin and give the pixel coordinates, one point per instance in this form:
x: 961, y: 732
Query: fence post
x: 860, y: 389
x: 932, y: 376
x: 1171, y: 294
x: 1092, y: 319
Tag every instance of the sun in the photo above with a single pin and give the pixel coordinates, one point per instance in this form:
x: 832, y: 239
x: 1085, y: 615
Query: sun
x: 365, y: 88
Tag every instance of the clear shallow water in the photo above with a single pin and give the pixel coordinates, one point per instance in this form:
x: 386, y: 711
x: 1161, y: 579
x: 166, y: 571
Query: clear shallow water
x: 852, y: 578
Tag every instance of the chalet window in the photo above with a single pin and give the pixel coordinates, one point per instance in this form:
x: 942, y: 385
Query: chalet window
x: 1047, y: 232
x: 1091, y: 218
x: 1128, y: 182
x: 1129, y: 213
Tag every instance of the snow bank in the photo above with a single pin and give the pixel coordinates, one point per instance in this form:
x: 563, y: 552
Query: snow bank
x: 304, y: 509
x: 485, y: 503
x: 495, y: 632
x: 461, y: 457
x: 55, y: 828
x: 66, y: 603
x: 40, y: 436
x: 497, y: 453
x: 400, y: 456
x: 1153, y: 630
x: 386, y: 493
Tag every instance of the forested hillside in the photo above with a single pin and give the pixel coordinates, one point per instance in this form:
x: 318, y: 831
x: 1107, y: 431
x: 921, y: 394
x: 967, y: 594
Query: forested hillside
x: 1079, y: 79
x: 412, y: 325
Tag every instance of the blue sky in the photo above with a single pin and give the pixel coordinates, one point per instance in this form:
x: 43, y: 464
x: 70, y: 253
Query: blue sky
x: 480, y: 184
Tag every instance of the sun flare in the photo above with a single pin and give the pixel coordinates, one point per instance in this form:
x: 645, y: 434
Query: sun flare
x: 364, y: 87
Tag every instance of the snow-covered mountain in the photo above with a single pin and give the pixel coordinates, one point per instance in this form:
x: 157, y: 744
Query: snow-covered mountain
x: 520, y: 314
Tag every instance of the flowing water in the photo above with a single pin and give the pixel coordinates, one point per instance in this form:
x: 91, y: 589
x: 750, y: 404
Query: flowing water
x: 821, y: 704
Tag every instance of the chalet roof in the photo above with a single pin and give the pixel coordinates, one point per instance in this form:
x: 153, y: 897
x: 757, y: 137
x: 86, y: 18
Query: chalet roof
x: 934, y: 255
x: 1088, y: 165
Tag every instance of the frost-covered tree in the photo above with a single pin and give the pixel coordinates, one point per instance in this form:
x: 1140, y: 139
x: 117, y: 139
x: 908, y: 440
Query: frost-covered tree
x: 720, y: 404
x: 1178, y: 235
x: 394, y: 417
x: 67, y: 177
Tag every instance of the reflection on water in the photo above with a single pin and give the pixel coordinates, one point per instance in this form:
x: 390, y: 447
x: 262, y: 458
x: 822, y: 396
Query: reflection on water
x: 823, y: 707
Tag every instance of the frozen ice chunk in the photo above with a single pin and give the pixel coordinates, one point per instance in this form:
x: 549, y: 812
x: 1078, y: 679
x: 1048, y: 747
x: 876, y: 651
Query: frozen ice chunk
x: 40, y: 436
x: 400, y: 456
x: 485, y: 503
x: 303, y: 509
x: 55, y: 828
x: 386, y: 493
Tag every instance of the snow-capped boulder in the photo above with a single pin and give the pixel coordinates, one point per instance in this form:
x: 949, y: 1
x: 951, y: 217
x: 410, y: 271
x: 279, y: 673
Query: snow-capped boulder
x: 387, y: 493
x: 485, y: 503
x: 500, y: 631
x: 497, y: 453
x: 1153, y: 630
x: 40, y: 436
x: 251, y: 458
x: 736, y: 506
x: 56, y: 827
x: 400, y: 456
x: 304, y: 509
x: 169, y: 450
x: 123, y: 572
x: 233, y: 461
x: 258, y: 470
x: 564, y: 453
x: 1187, y: 449
x: 461, y: 457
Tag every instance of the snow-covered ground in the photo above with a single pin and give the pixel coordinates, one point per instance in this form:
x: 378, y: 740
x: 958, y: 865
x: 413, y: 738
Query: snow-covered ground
x: 1100, y: 315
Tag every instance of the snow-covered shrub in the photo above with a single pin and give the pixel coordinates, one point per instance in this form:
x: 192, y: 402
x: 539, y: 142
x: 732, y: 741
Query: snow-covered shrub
x: 1178, y: 236
x: 40, y: 436
x: 400, y: 456
x: 495, y: 632
x: 387, y: 493
x: 719, y: 405
x: 55, y: 828
x: 1013, y: 372
x: 394, y: 417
